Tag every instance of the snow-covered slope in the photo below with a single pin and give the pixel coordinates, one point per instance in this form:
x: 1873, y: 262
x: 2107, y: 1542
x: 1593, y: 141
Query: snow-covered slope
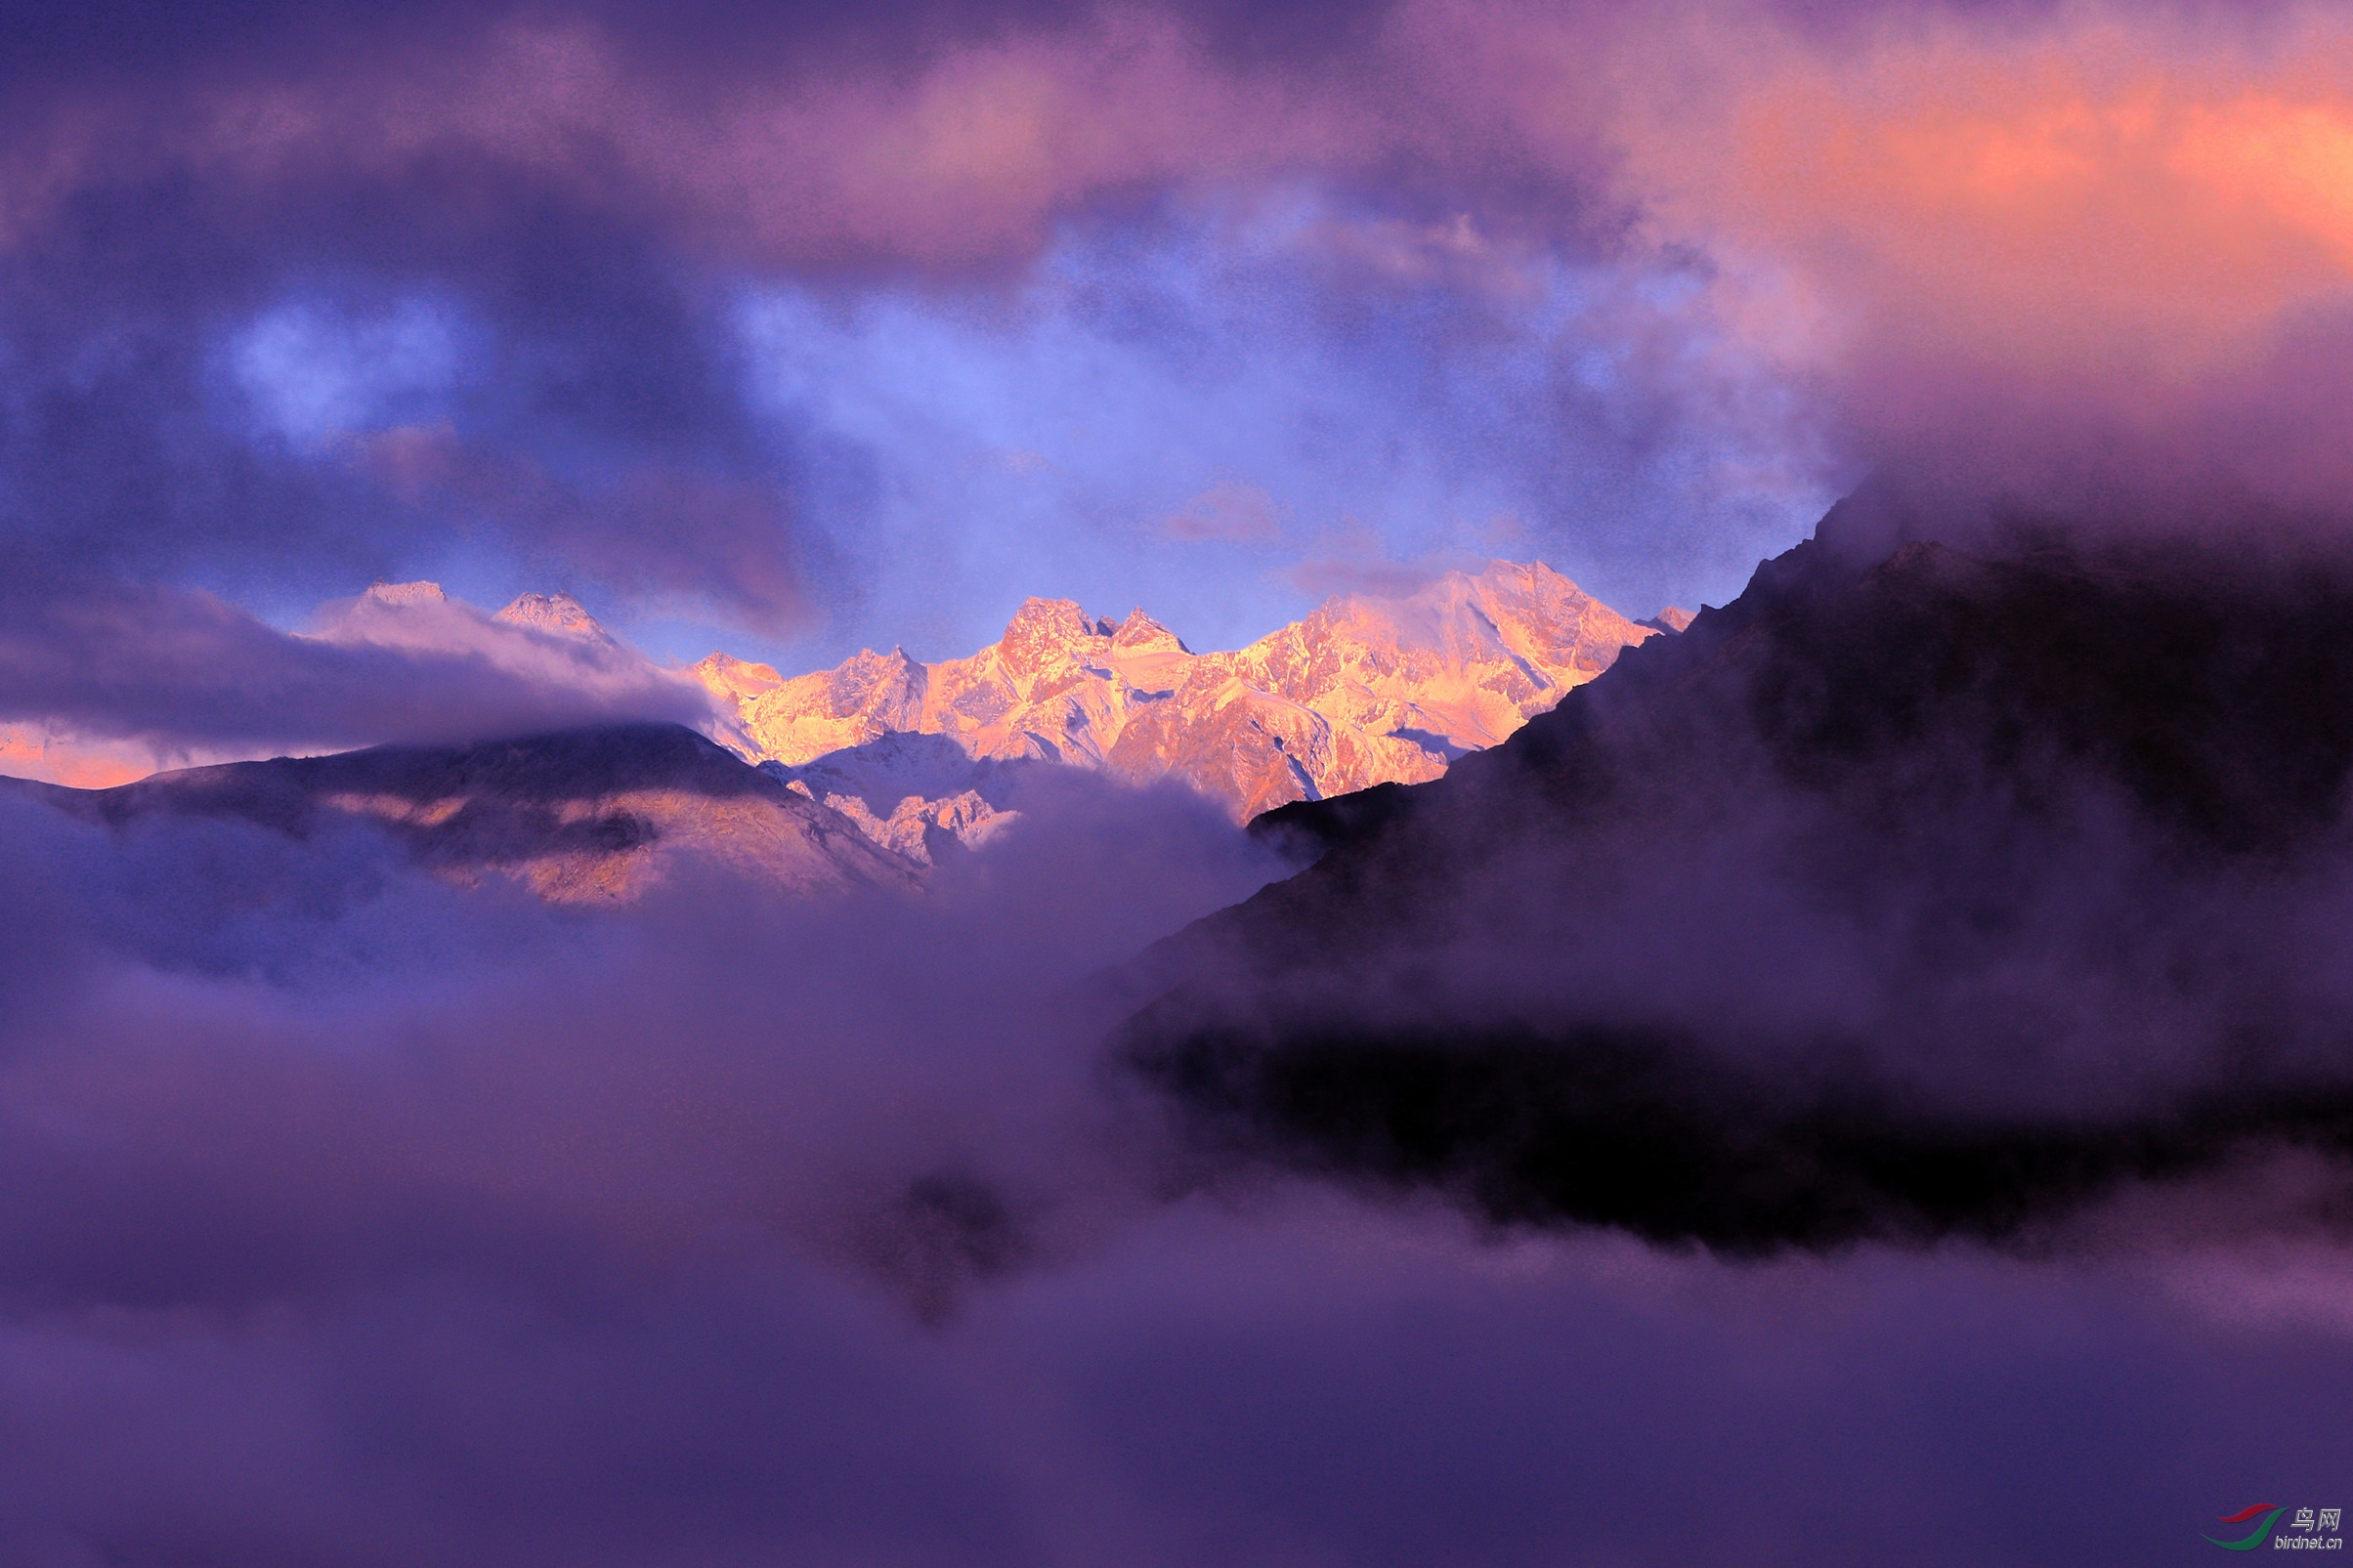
x: 558, y: 614
x: 905, y: 789
x: 1364, y: 691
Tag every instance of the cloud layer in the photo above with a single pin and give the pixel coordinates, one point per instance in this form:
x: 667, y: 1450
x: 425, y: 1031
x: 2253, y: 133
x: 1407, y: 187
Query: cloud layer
x: 350, y: 1215
x: 179, y: 672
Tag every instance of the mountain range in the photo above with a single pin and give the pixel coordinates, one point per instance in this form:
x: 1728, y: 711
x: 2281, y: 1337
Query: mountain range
x: 1365, y: 690
x: 885, y: 753
x: 1927, y: 889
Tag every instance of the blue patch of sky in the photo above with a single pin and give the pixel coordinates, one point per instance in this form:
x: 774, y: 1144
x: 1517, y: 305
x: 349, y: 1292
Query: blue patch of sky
x: 325, y: 365
x: 1393, y: 392
x: 312, y: 371
x: 962, y: 451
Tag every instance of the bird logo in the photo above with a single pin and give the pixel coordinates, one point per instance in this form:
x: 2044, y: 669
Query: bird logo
x: 2255, y: 1539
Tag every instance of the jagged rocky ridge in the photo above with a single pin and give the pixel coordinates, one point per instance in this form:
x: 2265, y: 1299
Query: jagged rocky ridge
x: 588, y: 816
x: 1922, y: 890
x: 1363, y: 690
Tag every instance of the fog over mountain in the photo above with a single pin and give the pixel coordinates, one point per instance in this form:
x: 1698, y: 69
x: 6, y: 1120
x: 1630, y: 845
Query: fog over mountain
x: 1909, y: 894
x: 99, y: 688
x: 582, y: 816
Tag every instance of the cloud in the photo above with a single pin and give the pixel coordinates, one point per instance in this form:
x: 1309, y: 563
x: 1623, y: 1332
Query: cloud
x: 1355, y: 560
x: 175, y: 672
x: 1148, y: 358
x: 1228, y: 511
x: 315, y: 377
x: 1742, y: 246
x: 348, y: 1212
x: 673, y: 539
x: 235, y: 263
x: 950, y: 153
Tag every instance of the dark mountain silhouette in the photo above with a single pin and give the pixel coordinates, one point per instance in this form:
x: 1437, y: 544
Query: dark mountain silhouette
x: 1922, y: 890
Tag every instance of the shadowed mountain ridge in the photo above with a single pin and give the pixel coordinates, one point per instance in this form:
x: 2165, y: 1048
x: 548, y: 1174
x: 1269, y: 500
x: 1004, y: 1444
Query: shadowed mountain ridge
x: 1912, y: 893
x: 588, y: 814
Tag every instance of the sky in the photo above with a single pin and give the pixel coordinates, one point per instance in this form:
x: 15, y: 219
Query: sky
x: 769, y: 330
x: 774, y: 330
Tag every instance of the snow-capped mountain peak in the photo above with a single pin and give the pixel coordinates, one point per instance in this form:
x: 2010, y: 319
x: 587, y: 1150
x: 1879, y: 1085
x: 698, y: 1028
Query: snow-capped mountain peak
x: 396, y: 595
x: 1364, y: 690
x: 557, y: 613
x: 1140, y: 633
x: 738, y: 679
x: 1050, y: 638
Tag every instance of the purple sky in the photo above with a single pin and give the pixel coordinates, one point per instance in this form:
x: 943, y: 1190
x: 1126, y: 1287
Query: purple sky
x: 759, y: 329
x: 766, y: 328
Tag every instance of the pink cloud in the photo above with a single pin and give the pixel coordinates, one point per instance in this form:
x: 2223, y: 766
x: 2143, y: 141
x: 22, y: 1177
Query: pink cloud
x: 2097, y: 218
x: 1228, y: 511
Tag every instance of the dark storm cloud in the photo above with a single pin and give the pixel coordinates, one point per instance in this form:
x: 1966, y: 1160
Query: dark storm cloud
x: 147, y: 429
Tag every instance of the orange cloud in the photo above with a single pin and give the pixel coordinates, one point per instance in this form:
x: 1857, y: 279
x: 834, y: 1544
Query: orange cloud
x: 2289, y: 164
x: 2111, y: 195
x: 55, y: 756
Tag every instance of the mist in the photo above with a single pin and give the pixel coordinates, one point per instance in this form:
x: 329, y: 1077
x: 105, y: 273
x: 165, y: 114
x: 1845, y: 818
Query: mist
x: 353, y: 1215
x: 1910, y: 895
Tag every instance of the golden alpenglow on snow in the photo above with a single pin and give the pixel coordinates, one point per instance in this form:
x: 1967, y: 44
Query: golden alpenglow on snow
x: 1366, y: 689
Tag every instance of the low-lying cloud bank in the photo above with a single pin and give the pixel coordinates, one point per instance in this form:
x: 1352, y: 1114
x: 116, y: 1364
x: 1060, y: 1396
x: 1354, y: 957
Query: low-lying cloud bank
x: 306, y: 1062
x: 181, y: 673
